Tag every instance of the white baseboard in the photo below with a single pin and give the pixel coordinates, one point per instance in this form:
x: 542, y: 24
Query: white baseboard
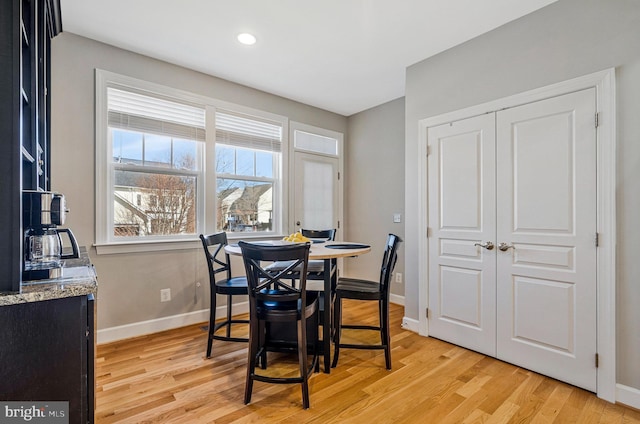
x: 127, y: 331
x: 112, y: 334
x: 411, y: 324
x: 397, y: 299
x: 628, y: 396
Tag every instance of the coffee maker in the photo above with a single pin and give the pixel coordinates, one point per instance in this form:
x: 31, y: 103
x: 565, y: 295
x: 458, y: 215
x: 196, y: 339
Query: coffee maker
x: 42, y: 213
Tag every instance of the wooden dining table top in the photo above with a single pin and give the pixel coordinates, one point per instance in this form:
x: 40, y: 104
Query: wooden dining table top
x: 319, y: 250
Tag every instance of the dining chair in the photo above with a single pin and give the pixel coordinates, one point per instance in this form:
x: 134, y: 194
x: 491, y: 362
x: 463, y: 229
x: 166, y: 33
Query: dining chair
x: 365, y: 290
x: 221, y: 282
x: 274, y: 300
x: 316, y: 267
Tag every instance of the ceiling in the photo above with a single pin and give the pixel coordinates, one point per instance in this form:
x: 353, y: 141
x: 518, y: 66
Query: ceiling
x: 344, y: 56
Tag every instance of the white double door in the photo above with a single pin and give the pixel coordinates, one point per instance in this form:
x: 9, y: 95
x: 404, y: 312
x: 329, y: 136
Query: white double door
x: 512, y: 235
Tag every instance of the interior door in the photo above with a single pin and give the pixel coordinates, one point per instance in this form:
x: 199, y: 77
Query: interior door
x: 315, y: 191
x: 546, y: 218
x: 462, y: 273
x: 523, y: 178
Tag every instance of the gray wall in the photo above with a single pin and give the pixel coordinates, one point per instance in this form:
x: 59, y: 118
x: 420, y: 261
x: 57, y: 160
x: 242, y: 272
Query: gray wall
x: 374, y: 181
x: 129, y: 284
x: 566, y: 39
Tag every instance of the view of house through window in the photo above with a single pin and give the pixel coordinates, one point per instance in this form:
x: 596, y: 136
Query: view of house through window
x: 247, y: 164
x: 161, y: 176
x: 155, y: 165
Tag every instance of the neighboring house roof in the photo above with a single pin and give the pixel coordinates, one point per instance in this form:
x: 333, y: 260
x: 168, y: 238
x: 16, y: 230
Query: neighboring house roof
x: 243, y: 198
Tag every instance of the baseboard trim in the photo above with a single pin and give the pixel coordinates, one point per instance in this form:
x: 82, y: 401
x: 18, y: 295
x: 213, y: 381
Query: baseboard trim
x: 628, y: 396
x: 396, y: 299
x: 411, y: 324
x: 127, y: 331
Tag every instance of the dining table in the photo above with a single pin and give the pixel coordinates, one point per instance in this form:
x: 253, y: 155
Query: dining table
x: 329, y: 252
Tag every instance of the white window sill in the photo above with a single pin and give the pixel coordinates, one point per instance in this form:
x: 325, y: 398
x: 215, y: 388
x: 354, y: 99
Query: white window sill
x: 146, y: 246
x: 165, y: 245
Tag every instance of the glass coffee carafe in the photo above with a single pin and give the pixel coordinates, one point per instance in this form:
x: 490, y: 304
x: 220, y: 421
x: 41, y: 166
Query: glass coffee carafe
x: 45, y: 249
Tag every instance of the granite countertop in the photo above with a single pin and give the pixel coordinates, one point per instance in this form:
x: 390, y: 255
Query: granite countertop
x: 78, y: 279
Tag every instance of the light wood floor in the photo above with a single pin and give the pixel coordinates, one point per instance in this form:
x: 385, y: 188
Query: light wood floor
x: 165, y: 378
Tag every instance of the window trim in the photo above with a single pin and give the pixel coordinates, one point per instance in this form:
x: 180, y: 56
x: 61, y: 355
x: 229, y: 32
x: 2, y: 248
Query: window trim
x: 207, y: 188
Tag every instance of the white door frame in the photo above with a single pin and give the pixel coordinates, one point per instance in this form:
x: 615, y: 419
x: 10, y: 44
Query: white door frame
x: 604, y: 82
x: 293, y: 126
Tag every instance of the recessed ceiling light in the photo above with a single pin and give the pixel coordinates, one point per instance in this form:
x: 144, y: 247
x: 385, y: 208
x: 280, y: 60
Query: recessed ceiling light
x: 246, y: 38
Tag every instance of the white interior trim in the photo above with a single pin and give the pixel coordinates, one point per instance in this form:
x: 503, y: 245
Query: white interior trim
x: 127, y: 331
x: 604, y: 82
x: 628, y: 396
x: 396, y: 299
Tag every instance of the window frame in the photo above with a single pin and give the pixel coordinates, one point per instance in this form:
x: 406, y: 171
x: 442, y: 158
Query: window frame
x: 105, y: 242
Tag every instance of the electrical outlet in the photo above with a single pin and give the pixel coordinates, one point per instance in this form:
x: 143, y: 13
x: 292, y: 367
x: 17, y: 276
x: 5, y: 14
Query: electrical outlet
x: 165, y: 295
x: 398, y: 277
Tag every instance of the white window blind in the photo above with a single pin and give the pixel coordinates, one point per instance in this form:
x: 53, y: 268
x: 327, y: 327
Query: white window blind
x: 248, y: 132
x: 315, y: 143
x: 138, y: 112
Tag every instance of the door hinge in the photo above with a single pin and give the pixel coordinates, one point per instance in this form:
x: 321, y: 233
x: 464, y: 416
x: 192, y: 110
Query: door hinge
x: 338, y: 176
x: 428, y: 232
x: 597, y: 119
x: 597, y: 239
x: 426, y: 312
x: 597, y: 360
x: 428, y: 150
x: 338, y: 224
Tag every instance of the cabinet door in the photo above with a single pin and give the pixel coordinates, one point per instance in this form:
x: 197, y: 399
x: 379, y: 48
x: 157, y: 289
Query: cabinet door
x: 44, y: 349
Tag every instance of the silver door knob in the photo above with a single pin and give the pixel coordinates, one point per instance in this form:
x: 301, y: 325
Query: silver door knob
x: 487, y: 245
x: 504, y: 246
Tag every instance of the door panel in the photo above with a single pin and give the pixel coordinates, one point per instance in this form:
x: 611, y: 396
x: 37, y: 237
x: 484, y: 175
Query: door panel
x: 552, y: 330
x: 461, y: 166
x: 316, y: 191
x: 546, y: 210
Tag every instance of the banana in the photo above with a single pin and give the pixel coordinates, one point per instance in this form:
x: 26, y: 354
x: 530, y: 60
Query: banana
x: 296, y: 238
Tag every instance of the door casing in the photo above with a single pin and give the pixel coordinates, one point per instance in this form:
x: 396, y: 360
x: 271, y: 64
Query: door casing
x: 604, y: 82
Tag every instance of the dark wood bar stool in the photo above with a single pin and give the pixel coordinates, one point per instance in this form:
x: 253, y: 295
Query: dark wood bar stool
x: 365, y: 290
x: 274, y: 300
x: 221, y: 282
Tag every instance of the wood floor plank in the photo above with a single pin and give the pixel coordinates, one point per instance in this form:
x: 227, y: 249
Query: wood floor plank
x: 165, y: 378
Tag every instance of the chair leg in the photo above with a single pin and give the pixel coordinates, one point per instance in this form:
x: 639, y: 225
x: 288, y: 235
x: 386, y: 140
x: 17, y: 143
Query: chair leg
x: 229, y: 303
x: 254, y: 344
x: 384, y: 331
x: 263, y: 328
x: 212, y: 321
x: 302, y: 360
x: 337, y: 328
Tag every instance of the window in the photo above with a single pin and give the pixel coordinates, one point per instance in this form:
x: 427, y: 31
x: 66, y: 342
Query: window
x: 171, y: 165
x: 248, y: 157
x: 155, y: 169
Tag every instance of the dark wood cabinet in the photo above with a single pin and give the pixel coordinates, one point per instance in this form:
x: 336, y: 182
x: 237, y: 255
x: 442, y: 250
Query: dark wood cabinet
x: 26, y: 29
x: 47, y: 359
